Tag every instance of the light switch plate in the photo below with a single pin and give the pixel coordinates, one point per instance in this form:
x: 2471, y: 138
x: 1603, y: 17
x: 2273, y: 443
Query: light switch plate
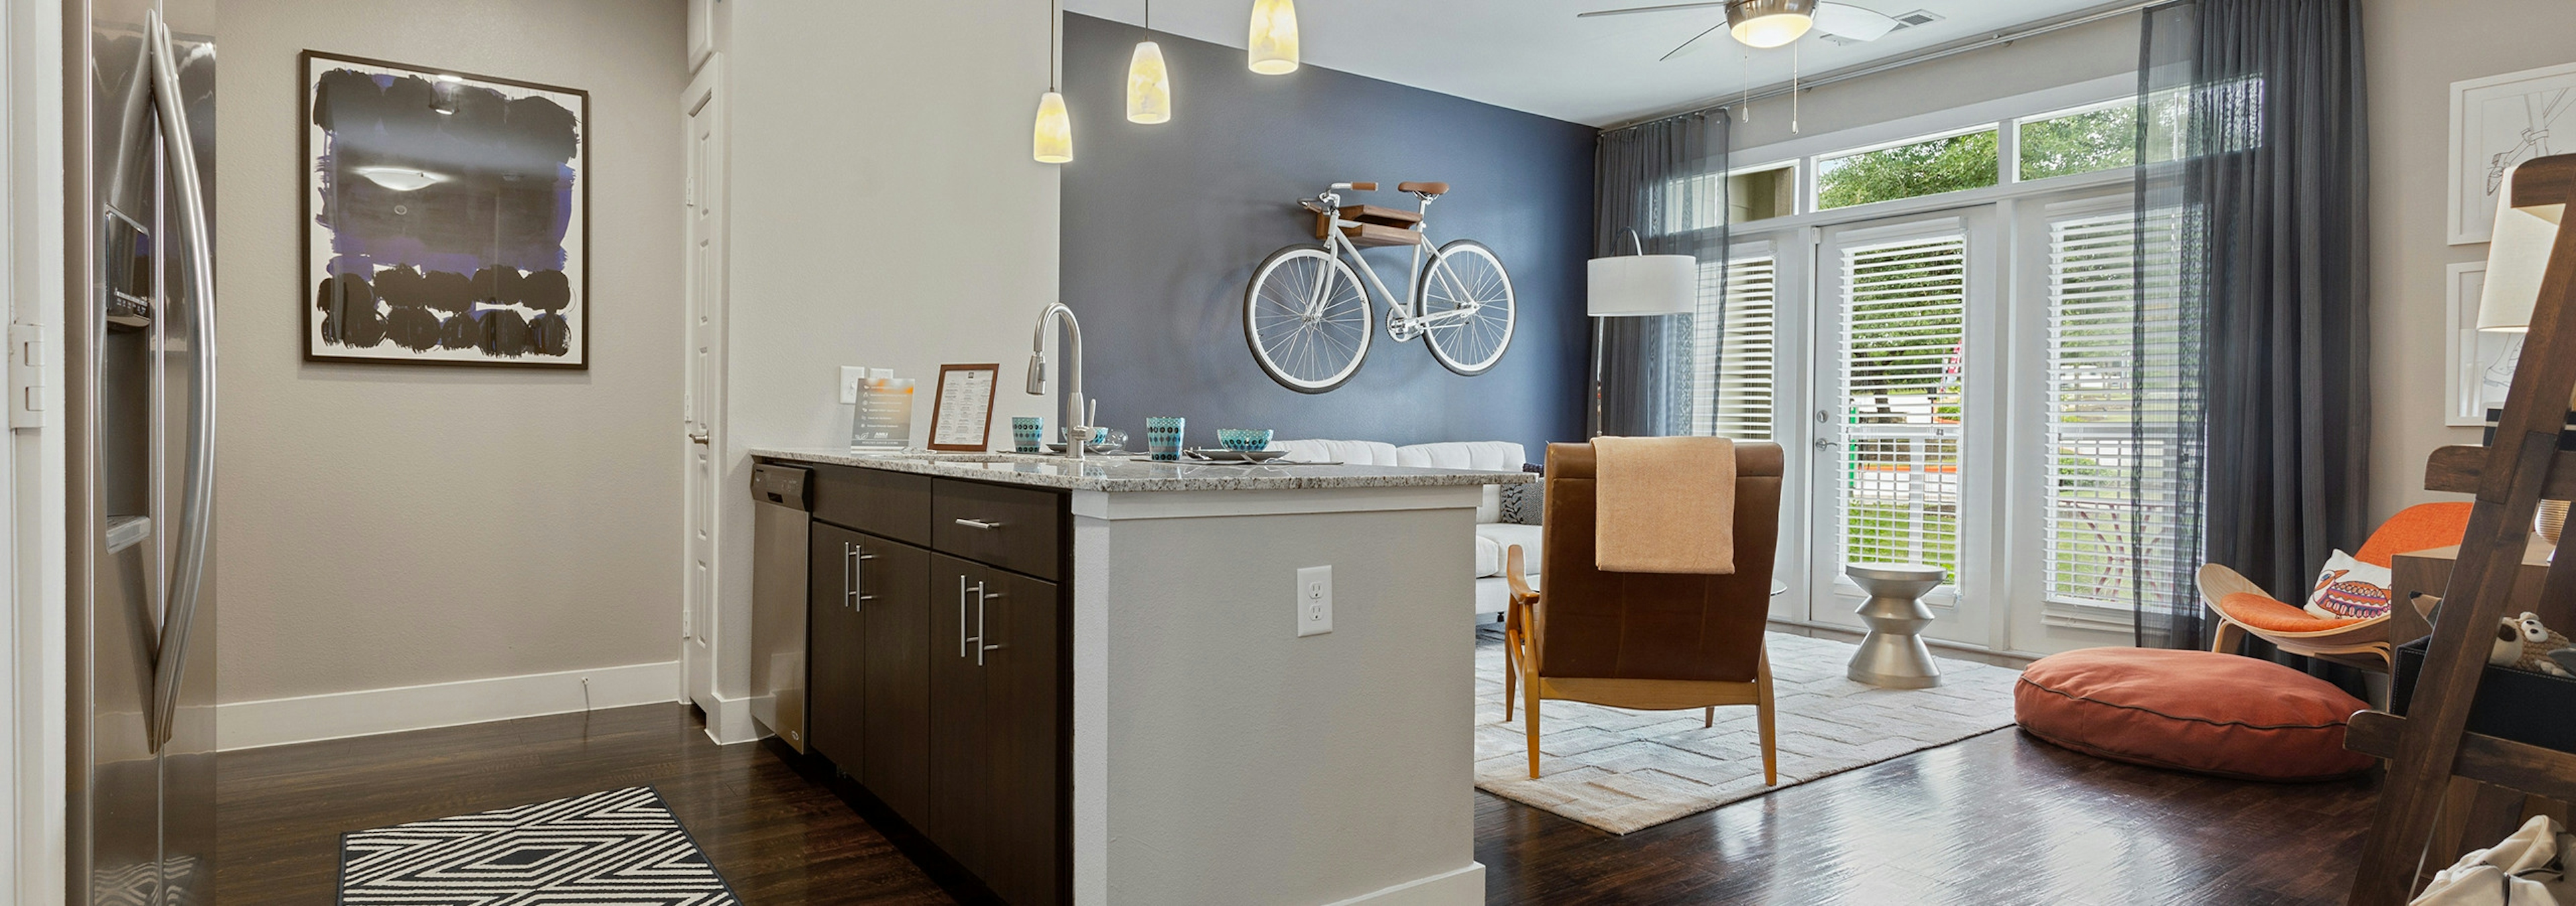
x: 850, y: 377
x: 1314, y: 601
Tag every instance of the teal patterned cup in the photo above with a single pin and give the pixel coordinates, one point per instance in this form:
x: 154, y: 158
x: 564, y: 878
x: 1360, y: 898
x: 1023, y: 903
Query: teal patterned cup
x: 1163, y: 437
x: 1026, y: 433
x: 1244, y: 440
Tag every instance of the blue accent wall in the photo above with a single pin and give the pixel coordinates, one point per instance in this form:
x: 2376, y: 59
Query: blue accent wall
x: 1164, y: 224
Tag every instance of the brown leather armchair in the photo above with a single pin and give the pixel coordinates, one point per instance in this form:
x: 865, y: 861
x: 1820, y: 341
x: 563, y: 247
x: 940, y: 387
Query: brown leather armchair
x: 1647, y: 641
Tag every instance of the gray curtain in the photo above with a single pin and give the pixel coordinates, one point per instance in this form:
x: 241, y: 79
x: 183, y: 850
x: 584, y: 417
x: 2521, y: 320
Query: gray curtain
x: 2253, y: 143
x: 1666, y: 180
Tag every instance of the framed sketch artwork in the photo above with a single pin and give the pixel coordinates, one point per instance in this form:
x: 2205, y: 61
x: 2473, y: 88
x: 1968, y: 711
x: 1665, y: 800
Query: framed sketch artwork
x: 2497, y: 122
x: 446, y: 217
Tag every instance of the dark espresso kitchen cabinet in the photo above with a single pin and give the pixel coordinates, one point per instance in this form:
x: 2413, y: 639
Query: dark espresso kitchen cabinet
x: 995, y: 726
x: 836, y: 650
x: 938, y: 676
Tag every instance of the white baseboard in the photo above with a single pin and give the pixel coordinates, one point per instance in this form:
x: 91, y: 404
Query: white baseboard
x: 1457, y: 887
x: 729, y: 721
x: 367, y: 712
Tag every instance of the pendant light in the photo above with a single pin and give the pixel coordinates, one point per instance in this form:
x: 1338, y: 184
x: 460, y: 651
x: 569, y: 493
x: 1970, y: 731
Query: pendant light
x: 1770, y: 23
x: 1149, y: 82
x: 1053, y: 139
x: 1273, y: 48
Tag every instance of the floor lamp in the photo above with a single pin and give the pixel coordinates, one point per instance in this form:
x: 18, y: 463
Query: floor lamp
x: 1626, y: 286
x: 2517, y: 259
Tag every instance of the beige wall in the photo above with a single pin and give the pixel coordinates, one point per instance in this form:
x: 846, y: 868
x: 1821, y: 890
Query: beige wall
x: 884, y: 212
x: 2416, y: 49
x: 388, y: 525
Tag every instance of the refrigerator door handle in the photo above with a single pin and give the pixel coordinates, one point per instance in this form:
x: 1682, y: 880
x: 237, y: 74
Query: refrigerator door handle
x: 196, y: 507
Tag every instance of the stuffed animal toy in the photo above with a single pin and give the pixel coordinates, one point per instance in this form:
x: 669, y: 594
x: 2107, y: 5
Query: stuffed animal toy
x: 2523, y: 643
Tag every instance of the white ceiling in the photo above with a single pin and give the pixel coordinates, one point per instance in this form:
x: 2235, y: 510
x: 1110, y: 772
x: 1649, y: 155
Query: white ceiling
x: 1534, y: 55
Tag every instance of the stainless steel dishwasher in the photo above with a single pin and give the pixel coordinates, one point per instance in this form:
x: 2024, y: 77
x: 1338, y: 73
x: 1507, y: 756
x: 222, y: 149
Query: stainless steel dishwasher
x: 780, y: 528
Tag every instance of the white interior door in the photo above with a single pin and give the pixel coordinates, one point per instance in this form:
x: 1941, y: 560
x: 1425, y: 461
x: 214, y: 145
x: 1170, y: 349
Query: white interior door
x: 703, y: 410
x: 1898, y: 446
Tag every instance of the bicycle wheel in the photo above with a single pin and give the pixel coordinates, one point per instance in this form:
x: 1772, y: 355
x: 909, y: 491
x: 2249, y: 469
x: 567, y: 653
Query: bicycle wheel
x: 1307, y: 319
x: 1467, y: 300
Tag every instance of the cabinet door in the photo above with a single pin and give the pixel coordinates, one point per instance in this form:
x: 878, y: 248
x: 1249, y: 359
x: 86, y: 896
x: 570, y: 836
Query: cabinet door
x: 895, y: 605
x: 958, y: 748
x: 836, y: 646
x: 996, y: 720
x: 1023, y: 710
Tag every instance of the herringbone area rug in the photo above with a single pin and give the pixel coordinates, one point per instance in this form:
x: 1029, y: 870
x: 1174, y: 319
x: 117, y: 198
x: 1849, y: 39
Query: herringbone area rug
x: 620, y: 846
x: 1622, y: 771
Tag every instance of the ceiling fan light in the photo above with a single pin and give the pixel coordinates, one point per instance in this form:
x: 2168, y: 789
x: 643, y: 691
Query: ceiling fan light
x: 1770, y: 23
x: 1149, y: 86
x: 1273, y: 48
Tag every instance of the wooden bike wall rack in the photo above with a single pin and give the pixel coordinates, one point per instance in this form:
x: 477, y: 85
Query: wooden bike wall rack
x: 2431, y: 746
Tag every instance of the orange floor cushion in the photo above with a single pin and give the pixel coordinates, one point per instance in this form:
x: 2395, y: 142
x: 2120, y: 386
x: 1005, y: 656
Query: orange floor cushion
x: 2273, y: 616
x: 2196, y: 711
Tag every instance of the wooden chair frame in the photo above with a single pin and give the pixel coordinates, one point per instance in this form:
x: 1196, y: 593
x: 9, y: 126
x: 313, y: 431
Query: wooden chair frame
x: 1522, y: 626
x: 2364, y: 644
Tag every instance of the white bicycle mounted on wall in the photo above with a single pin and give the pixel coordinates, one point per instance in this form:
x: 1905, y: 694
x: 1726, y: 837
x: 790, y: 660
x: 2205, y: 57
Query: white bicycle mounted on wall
x: 1306, y: 313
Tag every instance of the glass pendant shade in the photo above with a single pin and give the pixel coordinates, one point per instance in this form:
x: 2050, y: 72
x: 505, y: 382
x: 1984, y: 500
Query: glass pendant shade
x: 1273, y: 47
x: 1770, y: 23
x: 1149, y: 86
x: 1054, y: 138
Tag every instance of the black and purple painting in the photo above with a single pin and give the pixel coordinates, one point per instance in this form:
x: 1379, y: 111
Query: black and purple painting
x: 446, y: 217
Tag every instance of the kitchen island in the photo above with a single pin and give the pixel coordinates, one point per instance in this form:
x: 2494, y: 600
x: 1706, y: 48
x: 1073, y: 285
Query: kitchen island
x: 1202, y: 749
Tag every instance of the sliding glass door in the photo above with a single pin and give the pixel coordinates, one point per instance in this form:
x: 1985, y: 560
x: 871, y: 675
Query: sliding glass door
x: 1900, y: 438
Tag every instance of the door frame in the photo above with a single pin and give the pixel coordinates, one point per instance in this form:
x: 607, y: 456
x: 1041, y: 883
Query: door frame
x: 1967, y: 613
x: 703, y: 413
x: 34, y: 740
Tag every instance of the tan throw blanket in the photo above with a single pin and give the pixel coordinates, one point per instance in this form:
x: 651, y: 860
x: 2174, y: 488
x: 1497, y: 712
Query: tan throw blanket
x: 1664, y: 505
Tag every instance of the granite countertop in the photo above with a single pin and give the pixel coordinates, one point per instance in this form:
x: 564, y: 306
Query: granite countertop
x: 1118, y: 472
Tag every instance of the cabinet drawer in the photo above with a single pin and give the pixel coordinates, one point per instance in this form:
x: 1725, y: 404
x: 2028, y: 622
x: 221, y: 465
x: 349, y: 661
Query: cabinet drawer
x: 892, y: 504
x: 1013, y: 528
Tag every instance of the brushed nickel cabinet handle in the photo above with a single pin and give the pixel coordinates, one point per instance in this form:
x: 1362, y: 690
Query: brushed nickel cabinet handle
x: 978, y: 524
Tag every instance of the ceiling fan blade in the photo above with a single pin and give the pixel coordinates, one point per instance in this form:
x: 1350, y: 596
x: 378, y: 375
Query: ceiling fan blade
x: 1647, y: 9
x: 1852, y: 22
x: 1692, y: 44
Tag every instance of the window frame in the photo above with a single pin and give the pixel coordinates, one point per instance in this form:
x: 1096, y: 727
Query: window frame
x: 1814, y: 194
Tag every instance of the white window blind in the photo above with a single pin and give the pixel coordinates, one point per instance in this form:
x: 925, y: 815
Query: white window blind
x: 1733, y: 368
x: 1902, y: 344
x: 2114, y: 497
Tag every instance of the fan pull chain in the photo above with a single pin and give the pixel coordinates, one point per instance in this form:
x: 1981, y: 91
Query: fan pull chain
x: 1793, y: 88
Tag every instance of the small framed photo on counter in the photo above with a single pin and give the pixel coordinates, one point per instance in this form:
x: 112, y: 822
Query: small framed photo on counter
x: 961, y: 416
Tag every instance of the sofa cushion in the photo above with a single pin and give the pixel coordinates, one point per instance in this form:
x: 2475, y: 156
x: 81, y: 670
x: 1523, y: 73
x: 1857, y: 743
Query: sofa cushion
x: 2196, y: 711
x: 1493, y: 538
x: 1486, y: 455
x: 1353, y: 452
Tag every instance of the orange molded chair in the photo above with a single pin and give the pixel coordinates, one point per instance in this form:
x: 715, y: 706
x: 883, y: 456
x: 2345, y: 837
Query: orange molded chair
x: 2243, y: 608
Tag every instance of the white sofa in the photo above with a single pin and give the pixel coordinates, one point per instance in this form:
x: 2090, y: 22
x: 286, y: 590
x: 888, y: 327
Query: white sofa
x: 1493, y: 534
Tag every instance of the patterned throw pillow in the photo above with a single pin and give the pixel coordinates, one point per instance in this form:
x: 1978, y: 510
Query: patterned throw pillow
x: 2349, y: 589
x: 1525, y: 504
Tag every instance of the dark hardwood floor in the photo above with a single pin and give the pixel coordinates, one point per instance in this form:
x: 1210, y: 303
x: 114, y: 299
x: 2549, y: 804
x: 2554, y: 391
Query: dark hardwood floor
x: 1997, y: 819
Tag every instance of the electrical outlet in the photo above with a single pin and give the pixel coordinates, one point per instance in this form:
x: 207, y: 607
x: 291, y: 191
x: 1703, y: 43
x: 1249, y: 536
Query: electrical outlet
x: 1314, y: 601
x: 850, y: 377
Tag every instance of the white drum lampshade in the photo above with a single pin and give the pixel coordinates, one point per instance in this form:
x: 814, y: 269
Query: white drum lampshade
x: 1631, y: 285
x: 2516, y: 260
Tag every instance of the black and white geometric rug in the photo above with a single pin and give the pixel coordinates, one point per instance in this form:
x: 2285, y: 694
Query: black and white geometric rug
x: 621, y: 846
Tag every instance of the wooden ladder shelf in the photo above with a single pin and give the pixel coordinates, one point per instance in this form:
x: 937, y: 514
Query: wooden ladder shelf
x: 2432, y: 745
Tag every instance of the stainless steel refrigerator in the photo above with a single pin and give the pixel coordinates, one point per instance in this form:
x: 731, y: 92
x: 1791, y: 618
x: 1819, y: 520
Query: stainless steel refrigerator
x: 139, y: 355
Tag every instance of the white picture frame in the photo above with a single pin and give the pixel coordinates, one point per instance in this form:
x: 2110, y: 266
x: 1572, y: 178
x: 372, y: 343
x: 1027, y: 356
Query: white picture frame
x: 2499, y: 121
x: 2479, y: 363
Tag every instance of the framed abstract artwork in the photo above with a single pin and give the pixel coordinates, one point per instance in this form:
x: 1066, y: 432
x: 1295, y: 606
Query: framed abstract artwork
x: 446, y: 217
x: 2480, y: 363
x: 2497, y: 122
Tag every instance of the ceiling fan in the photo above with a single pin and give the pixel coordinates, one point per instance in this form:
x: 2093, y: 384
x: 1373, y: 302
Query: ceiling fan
x: 1772, y: 23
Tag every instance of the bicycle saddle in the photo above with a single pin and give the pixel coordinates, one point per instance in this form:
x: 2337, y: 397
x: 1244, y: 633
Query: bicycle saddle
x: 1423, y: 188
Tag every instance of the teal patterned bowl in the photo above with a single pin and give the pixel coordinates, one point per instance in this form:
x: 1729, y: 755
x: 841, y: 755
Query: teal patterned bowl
x: 1244, y: 439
